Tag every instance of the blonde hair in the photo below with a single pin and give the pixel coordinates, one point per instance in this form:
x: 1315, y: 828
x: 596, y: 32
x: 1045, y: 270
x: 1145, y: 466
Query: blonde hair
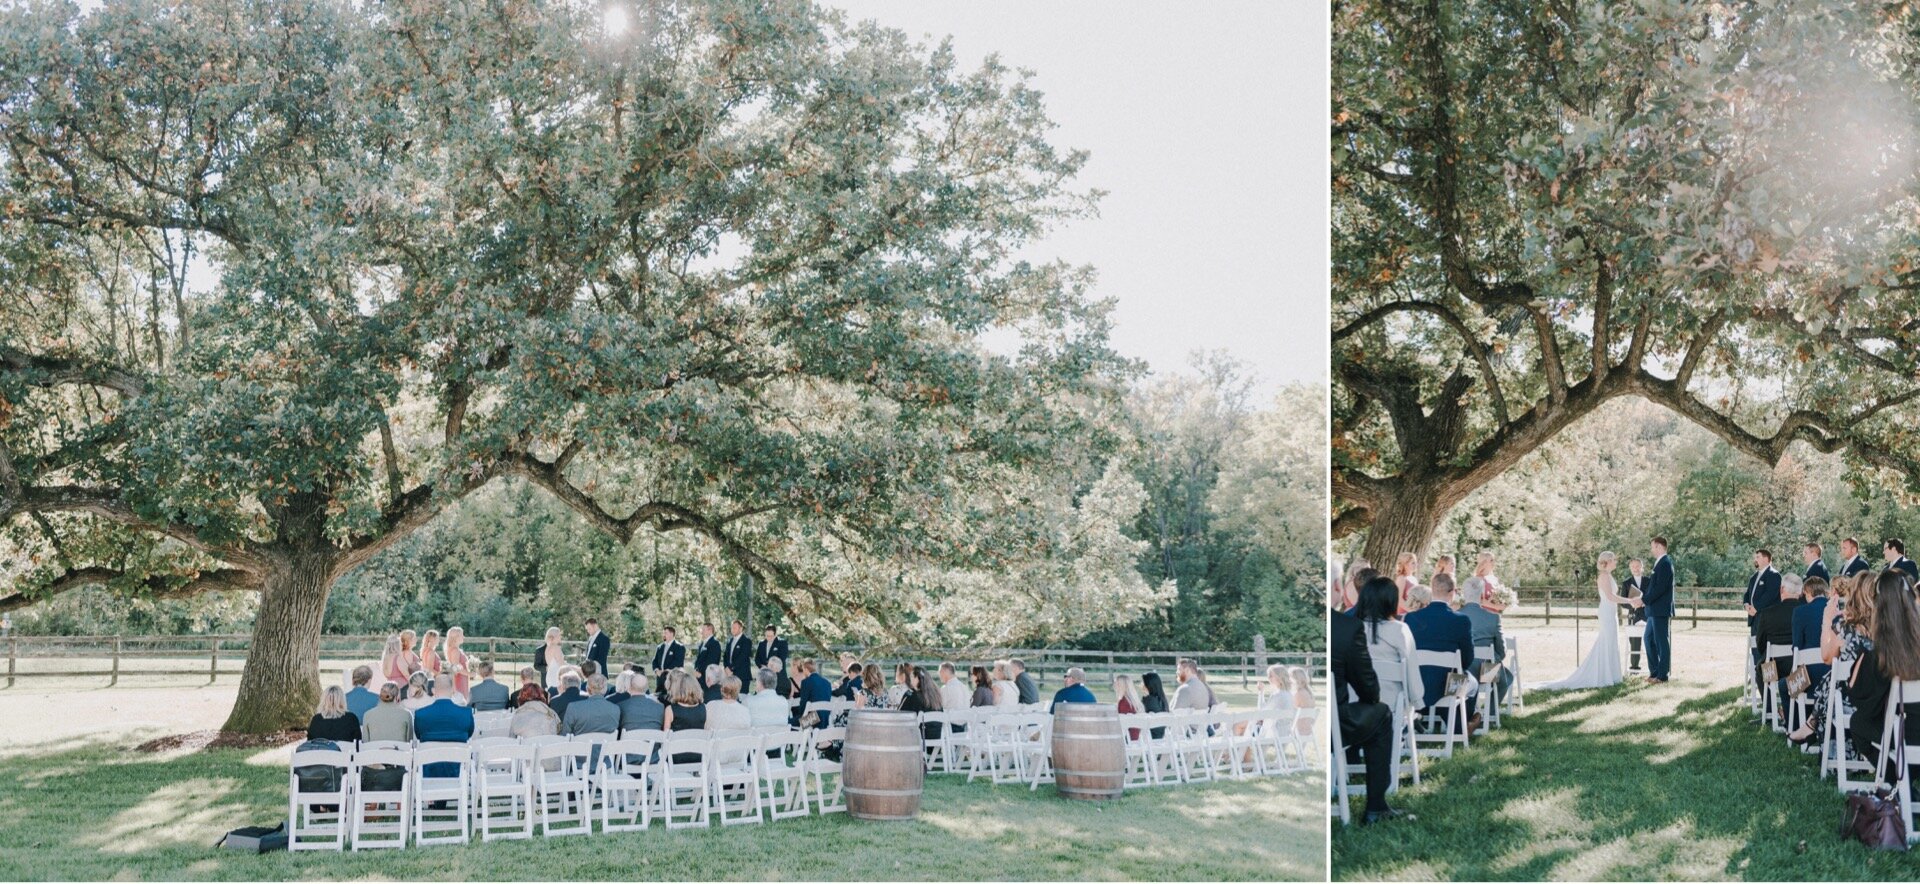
x: 1405, y: 563
x: 333, y: 702
x: 730, y: 688
x: 1418, y: 597
x: 1123, y: 685
x: 553, y: 632
x: 1607, y: 558
x: 406, y: 640
x: 682, y: 689
x: 1000, y: 668
x: 453, y: 631
x: 431, y: 637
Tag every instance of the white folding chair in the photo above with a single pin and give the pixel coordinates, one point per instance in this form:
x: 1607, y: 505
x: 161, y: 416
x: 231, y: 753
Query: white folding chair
x: 627, y: 785
x: 310, y: 826
x: 1188, y: 736
x: 1516, y: 695
x: 1446, y: 719
x: 1834, y: 749
x: 685, y: 786
x: 783, y: 774
x: 1036, y: 758
x: 825, y: 769
x: 563, y: 787
x: 451, y: 822
x: 735, y: 771
x: 1802, y: 706
x: 1296, y: 739
x: 1141, y: 767
x: 379, y: 817
x: 1489, y: 693
x: 1750, y: 690
x: 938, y: 757
x: 1770, y: 695
x: 503, y: 790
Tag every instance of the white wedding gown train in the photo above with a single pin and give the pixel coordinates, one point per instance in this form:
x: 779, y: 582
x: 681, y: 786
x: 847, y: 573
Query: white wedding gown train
x: 1602, y: 666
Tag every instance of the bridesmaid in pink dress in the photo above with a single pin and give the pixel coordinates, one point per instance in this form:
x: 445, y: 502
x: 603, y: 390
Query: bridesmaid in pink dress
x: 457, y: 659
x: 429, y: 656
x: 392, y: 667
x: 409, y: 658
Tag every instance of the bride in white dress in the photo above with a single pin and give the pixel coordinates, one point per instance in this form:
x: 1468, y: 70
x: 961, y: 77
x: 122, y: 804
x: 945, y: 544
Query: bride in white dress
x: 1602, y: 666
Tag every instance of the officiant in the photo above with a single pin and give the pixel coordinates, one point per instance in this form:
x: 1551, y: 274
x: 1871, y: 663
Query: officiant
x: 1630, y: 588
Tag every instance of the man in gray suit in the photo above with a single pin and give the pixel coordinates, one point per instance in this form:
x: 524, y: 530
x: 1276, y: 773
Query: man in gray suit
x: 1486, y: 630
x: 592, y: 713
x: 486, y: 695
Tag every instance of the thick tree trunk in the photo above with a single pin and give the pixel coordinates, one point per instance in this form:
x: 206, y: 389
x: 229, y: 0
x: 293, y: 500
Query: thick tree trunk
x: 1404, y: 523
x: 280, y: 685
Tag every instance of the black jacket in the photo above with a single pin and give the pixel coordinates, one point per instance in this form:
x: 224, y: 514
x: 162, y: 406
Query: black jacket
x: 597, y: 648
x: 669, y: 655
x: 739, y: 654
x: 708, y: 655
x: 761, y: 653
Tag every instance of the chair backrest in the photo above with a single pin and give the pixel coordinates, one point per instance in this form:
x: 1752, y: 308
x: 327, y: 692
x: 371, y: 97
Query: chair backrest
x: 402, y: 758
x: 478, y: 742
x: 827, y: 735
x: 489, y: 754
x: 687, y: 743
x: 653, y: 734
x: 543, y: 739
x: 735, y: 747
x: 789, y: 746
x: 1449, y: 660
x: 622, y: 756
x: 1483, y: 652
x: 329, y: 757
x: 373, y: 745
x: 1806, y: 657
x: 577, y: 753
x: 1779, y: 652
x: 442, y: 753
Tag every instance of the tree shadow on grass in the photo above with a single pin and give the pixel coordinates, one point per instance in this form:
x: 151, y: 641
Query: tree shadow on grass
x: 1594, y: 785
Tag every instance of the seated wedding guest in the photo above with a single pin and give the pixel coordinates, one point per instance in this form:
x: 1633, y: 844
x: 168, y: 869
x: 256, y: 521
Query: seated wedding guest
x: 1153, y: 698
x: 1894, y: 657
x: 872, y: 693
x: 954, y: 693
x: 782, y: 683
x: 1773, y: 629
x: 532, y: 717
x: 1846, y: 635
x: 849, y: 678
x: 687, y: 712
x: 1193, y: 692
x: 570, y: 682
x: 1486, y: 631
x: 814, y: 688
x: 333, y: 720
x: 902, y: 683
x: 389, y: 720
x: 360, y: 699
x: 1390, y: 648
x: 1302, y: 697
x: 923, y: 695
x: 1366, y: 722
x: 767, y: 707
x: 1807, y: 623
x: 418, y: 692
x: 1436, y: 627
x: 640, y: 710
x: 592, y: 712
x: 1276, y: 693
x: 1075, y: 691
x: 1006, y: 695
x: 715, y: 672
x: 443, y: 721
x: 982, y: 687
x: 528, y: 676
x: 1029, y: 691
x: 485, y: 695
x: 1129, y: 701
x: 728, y: 713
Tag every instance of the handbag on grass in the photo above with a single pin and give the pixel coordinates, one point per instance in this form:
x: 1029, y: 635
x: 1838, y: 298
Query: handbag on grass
x: 1874, y: 817
x: 1798, y: 681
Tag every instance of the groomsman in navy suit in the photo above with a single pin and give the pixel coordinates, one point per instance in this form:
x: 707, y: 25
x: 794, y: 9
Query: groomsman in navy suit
x: 1815, y: 567
x: 1896, y: 553
x: 598, y: 645
x: 1763, y: 592
x: 1656, y: 601
x: 707, y: 653
x: 1850, y: 550
x: 669, y: 655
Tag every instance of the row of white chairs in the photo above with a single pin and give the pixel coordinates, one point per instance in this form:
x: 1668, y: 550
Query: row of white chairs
x: 506, y: 788
x: 1163, y: 748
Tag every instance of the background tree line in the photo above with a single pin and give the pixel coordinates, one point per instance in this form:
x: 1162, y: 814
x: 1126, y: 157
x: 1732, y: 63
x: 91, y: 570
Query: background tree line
x: 1231, y: 518
x: 1634, y: 469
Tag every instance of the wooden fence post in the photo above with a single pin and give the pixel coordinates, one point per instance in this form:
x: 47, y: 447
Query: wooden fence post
x: 115, y: 678
x: 13, y: 653
x: 493, y: 652
x: 1549, y: 607
x: 1696, y: 610
x: 213, y: 663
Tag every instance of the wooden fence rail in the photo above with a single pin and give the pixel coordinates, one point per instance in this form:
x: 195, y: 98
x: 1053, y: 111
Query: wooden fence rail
x: 510, y: 654
x: 1691, y: 603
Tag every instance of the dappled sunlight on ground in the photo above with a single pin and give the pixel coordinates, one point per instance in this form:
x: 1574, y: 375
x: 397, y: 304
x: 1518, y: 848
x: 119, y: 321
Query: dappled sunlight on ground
x: 1552, y: 821
x: 1677, y: 852
x: 175, y: 813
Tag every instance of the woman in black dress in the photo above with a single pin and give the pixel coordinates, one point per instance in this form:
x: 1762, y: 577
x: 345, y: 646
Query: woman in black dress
x: 1156, y: 698
x: 333, y: 721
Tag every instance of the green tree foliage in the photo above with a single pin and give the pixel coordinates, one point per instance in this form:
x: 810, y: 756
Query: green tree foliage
x: 720, y: 276
x: 1541, y: 207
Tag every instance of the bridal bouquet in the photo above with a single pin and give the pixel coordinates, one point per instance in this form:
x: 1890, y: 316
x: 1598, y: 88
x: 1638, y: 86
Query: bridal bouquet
x: 1501, y: 598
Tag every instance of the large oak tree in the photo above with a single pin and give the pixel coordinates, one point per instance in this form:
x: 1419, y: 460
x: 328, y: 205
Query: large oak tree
x: 1541, y: 206
x: 280, y: 281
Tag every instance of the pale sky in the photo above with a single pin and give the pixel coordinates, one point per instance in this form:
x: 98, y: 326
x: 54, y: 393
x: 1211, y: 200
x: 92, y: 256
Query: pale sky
x: 1207, y: 128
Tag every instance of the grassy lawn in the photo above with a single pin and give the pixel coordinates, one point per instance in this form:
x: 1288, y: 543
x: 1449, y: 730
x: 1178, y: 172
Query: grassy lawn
x: 1631, y: 782
x: 98, y: 812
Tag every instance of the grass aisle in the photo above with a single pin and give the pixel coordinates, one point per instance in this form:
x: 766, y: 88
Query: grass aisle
x: 1631, y: 782
x: 100, y: 813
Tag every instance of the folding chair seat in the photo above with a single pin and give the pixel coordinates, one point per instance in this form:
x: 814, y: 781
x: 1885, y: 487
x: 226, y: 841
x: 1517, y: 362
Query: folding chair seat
x: 825, y: 769
x: 316, y: 819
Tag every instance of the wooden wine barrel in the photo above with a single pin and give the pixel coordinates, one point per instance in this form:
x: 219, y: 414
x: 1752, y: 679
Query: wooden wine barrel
x: 1089, y: 751
x: 883, y: 765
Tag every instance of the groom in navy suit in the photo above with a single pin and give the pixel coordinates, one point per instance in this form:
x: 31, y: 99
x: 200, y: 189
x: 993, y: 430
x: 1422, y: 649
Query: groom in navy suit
x: 1763, y: 592
x: 1656, y: 601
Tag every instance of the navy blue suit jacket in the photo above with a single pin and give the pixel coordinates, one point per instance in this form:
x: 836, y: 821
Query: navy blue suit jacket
x: 1657, y: 595
x: 1437, y: 628
x: 1763, y: 592
x: 1855, y: 565
x: 1807, y: 623
x: 1817, y: 569
x: 597, y: 648
x: 1907, y: 565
